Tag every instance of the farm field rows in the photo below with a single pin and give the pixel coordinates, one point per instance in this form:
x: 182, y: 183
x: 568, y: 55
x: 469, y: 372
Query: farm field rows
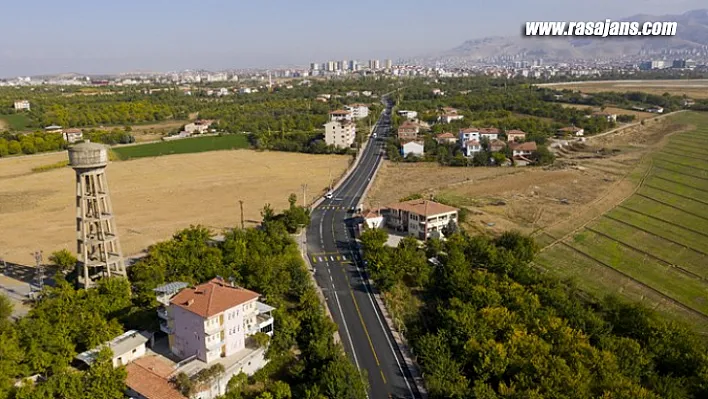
x: 657, y: 239
x: 694, y: 88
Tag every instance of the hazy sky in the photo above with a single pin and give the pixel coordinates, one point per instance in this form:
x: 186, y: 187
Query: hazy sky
x: 94, y: 36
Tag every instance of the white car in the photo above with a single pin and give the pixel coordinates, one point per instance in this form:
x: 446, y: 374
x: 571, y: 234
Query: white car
x: 329, y: 195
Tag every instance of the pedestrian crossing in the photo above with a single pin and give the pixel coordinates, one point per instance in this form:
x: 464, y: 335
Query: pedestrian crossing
x: 336, y: 208
x: 330, y: 258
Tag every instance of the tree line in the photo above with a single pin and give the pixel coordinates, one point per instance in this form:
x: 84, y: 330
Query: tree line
x: 484, y: 323
x: 304, y: 360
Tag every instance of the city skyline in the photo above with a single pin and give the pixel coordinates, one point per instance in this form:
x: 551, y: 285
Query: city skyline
x: 83, y: 37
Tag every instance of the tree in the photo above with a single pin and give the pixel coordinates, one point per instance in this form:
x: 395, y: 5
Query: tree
x: 292, y: 200
x: 544, y: 156
x: 261, y: 339
x: 63, y: 260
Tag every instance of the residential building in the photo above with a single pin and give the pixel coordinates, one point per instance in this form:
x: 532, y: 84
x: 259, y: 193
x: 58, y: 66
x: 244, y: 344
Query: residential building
x: 373, y: 219
x: 497, y: 145
x: 149, y: 378
x: 22, y: 105
x: 358, y: 111
x: 340, y: 134
x: 419, y: 217
x: 467, y: 134
x: 570, y: 131
x: 198, y: 127
x: 438, y: 92
x: 53, y: 129
x: 212, y: 320
x: 408, y: 114
x: 449, y: 117
x: 408, y: 131
x: 523, y: 149
x: 374, y: 64
x: 71, y: 136
x: 489, y: 133
x: 656, y: 110
x: 446, y: 138
x: 515, y: 135
x: 340, y: 115
x: 471, y: 147
x: 388, y: 64
x: 126, y: 348
x: 413, y: 147
x: 609, y: 117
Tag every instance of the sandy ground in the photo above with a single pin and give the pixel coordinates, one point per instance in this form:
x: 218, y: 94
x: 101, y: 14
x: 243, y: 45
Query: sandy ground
x: 3, y: 125
x: 580, y: 186
x: 153, y: 197
x: 694, y: 88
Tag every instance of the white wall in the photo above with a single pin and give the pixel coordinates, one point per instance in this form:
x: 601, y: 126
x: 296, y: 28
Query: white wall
x: 128, y: 356
x: 188, y: 334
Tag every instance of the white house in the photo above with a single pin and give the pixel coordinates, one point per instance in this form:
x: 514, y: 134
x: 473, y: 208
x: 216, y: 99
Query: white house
x: 72, y: 135
x: 447, y: 118
x: 446, y: 138
x: 609, y: 117
x: 340, y: 134
x: 523, y: 149
x: 54, y: 129
x: 490, y: 133
x: 408, y: 114
x: 340, y: 115
x: 656, y: 110
x: 571, y: 130
x: 358, y: 111
x: 471, y: 147
x: 515, y: 135
x: 413, y: 147
x: 199, y: 126
x: 22, y: 105
x: 126, y: 348
x: 373, y: 219
x: 419, y: 218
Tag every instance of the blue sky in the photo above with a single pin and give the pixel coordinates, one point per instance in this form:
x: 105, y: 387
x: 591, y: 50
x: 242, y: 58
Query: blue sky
x: 50, y: 36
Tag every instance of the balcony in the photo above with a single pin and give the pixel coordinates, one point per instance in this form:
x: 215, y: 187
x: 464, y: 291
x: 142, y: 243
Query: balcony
x: 211, y: 329
x: 162, y: 314
x: 214, y: 345
x: 165, y: 327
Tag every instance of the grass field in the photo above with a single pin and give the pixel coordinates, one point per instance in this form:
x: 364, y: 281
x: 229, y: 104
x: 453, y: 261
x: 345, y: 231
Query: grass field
x: 638, y: 115
x: 153, y: 197
x: 694, y: 88
x: 183, y: 146
x: 13, y: 121
x: 657, y: 239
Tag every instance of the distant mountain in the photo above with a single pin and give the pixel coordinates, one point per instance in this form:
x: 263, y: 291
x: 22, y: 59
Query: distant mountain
x: 691, y: 33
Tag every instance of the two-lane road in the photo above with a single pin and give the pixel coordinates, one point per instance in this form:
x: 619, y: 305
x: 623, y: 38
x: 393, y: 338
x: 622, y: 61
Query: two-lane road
x: 332, y: 250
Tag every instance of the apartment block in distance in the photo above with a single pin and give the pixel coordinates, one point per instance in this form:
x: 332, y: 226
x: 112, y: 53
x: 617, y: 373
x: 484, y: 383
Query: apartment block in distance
x: 358, y: 111
x: 340, y: 131
x: 22, y: 105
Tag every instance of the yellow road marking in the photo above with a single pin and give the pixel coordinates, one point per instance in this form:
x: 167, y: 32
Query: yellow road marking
x: 339, y: 258
x: 382, y: 376
x: 314, y: 260
x: 371, y: 344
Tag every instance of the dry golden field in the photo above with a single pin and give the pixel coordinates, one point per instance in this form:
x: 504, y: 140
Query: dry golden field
x: 694, y: 88
x: 580, y: 186
x: 153, y: 197
x: 638, y: 115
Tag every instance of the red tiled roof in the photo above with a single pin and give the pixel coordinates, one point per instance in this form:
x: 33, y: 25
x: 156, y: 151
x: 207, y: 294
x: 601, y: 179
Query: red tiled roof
x: 570, y: 129
x: 446, y: 135
x: 340, y: 112
x: 473, y: 143
x: 418, y: 206
x: 212, y: 298
x: 469, y: 130
x: 514, y: 131
x: 488, y: 130
x: 72, y: 130
x: 149, y: 378
x: 527, y: 146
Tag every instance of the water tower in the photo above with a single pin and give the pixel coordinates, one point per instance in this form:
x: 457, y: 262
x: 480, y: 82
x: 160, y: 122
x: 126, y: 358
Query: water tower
x: 98, y: 247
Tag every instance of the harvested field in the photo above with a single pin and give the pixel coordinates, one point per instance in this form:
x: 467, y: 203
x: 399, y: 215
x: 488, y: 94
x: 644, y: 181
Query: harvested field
x: 153, y: 197
x: 657, y: 237
x: 638, y: 115
x: 693, y: 88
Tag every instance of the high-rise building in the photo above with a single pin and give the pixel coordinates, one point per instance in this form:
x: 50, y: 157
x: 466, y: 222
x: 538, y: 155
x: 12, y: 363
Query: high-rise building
x: 330, y: 66
x: 98, y: 247
x: 345, y: 65
x: 314, y: 66
x: 353, y: 65
x: 389, y: 64
x: 374, y: 64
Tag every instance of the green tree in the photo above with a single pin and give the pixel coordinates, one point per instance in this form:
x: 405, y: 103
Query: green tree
x: 63, y: 260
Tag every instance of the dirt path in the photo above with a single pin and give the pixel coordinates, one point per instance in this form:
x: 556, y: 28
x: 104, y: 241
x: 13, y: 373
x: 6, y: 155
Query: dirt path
x: 621, y: 128
x: 3, y: 125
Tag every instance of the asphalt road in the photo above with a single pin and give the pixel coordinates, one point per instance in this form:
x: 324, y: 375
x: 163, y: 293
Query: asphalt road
x: 332, y: 250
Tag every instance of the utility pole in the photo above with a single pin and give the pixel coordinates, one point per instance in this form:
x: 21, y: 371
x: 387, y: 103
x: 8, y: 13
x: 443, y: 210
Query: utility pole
x: 240, y: 202
x: 40, y: 268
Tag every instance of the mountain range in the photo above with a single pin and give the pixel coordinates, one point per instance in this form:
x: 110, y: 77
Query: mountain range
x: 691, y: 33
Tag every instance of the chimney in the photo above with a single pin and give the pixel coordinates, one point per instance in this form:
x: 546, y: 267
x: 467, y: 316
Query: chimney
x: 190, y: 302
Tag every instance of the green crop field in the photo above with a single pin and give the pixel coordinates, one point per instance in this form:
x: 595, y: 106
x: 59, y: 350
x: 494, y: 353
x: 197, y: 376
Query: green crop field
x: 183, y: 146
x: 653, y: 247
x: 13, y: 122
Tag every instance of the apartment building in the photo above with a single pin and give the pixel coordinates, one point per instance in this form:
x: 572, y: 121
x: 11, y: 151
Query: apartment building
x: 213, y: 320
x: 22, y: 105
x: 515, y: 135
x: 420, y: 218
x: 408, y: 131
x: 469, y: 141
x: 340, y: 134
x: 358, y: 111
x: 340, y: 115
